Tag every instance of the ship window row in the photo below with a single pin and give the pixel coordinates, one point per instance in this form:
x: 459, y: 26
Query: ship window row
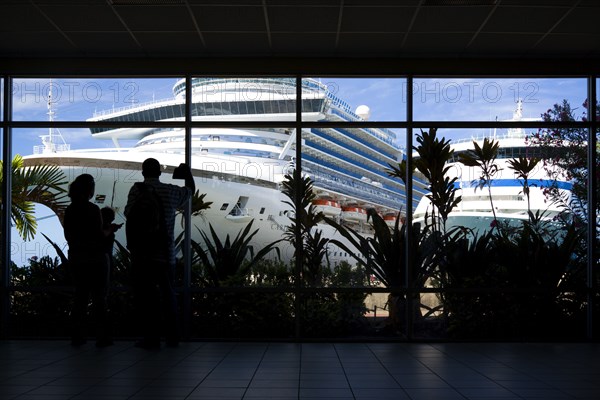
x: 311, y: 144
x: 213, y: 138
x: 177, y: 111
x: 356, y: 183
x: 353, y: 186
x: 509, y: 152
x: 388, y: 137
x: 418, y: 191
x: 251, y: 153
x: 353, y: 149
x: 495, y: 197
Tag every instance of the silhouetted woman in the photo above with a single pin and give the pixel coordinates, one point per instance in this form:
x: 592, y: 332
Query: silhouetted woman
x: 88, y: 259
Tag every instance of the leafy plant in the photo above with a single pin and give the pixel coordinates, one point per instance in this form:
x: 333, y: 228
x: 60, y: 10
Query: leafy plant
x: 43, y: 184
x: 483, y: 157
x: 198, y: 205
x: 523, y: 167
x: 434, y: 155
x: 306, y: 219
x: 228, y: 261
x: 384, y: 256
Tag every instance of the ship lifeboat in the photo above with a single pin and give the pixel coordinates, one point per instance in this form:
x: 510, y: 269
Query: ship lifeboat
x: 390, y: 219
x: 327, y: 207
x: 354, y: 214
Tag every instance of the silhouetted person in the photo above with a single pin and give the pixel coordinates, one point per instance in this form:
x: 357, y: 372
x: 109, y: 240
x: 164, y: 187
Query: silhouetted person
x: 89, y: 263
x: 153, y: 265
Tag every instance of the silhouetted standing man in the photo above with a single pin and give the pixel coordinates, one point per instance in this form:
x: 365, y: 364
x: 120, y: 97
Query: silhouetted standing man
x: 153, y: 264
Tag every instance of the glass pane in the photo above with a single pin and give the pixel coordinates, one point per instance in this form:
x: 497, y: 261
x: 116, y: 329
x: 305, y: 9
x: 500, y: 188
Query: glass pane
x: 3, y: 283
x: 452, y: 99
x: 595, y: 323
x: 348, y: 170
x: 240, y: 173
x: 43, y: 176
x: 509, y: 201
x: 354, y: 99
x: 1, y: 99
x: 243, y: 99
x: 97, y: 99
x: 513, y: 215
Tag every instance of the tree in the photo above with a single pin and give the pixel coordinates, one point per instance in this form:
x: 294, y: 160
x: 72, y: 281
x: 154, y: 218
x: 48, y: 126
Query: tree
x: 484, y: 157
x: 434, y: 154
x: 43, y: 184
x: 564, y: 151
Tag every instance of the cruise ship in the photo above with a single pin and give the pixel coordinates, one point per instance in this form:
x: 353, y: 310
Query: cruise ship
x: 241, y: 169
x: 510, y: 203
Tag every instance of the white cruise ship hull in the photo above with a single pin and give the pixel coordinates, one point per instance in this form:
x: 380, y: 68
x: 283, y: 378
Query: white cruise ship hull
x: 116, y: 172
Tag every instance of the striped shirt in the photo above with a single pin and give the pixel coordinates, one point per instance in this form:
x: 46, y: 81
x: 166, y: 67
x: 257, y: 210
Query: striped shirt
x: 172, y: 197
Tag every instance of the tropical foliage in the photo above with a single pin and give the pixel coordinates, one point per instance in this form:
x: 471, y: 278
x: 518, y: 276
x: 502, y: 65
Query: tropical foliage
x: 228, y: 261
x: 303, y: 225
x: 484, y: 158
x: 43, y: 184
x: 512, y: 283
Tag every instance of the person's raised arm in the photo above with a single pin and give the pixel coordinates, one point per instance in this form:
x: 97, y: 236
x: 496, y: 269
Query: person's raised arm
x: 183, y: 171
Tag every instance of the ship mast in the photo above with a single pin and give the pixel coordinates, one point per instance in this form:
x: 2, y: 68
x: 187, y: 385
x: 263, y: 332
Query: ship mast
x: 53, y: 142
x: 517, y: 116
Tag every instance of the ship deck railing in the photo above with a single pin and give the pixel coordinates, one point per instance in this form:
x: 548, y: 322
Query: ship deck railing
x: 483, y: 136
x: 144, y: 105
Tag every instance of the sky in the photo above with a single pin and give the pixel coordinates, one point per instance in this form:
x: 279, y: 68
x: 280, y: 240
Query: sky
x: 434, y: 99
x: 450, y: 99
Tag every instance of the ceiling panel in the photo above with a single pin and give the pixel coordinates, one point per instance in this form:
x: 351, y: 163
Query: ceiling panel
x: 450, y: 19
x: 230, y: 19
x: 376, y: 19
x: 156, y: 18
x: 180, y: 43
x: 539, y: 3
x: 329, y: 28
x: 83, y: 17
x: 511, y: 44
x: 581, y: 20
x: 524, y: 19
x: 570, y: 44
x: 305, y: 43
x: 377, y: 44
x: 45, y: 44
x: 303, y: 19
x: 231, y: 3
x: 106, y: 43
x: 448, y: 43
x: 22, y: 17
x: 236, y: 43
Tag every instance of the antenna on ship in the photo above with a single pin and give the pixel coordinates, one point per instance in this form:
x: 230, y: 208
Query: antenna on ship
x: 53, y: 142
x: 517, y: 116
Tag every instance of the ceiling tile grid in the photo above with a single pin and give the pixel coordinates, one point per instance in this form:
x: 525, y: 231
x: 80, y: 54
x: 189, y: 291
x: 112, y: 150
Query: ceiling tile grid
x: 358, y: 28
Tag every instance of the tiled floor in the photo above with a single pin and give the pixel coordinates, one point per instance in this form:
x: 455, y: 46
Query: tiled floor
x: 209, y: 370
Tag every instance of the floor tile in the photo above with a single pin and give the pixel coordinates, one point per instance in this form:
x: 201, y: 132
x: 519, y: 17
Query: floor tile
x: 47, y: 370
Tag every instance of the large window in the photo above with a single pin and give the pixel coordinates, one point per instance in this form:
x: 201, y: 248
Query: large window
x: 305, y: 185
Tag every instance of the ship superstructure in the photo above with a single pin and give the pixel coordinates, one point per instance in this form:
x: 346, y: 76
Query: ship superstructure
x: 241, y: 169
